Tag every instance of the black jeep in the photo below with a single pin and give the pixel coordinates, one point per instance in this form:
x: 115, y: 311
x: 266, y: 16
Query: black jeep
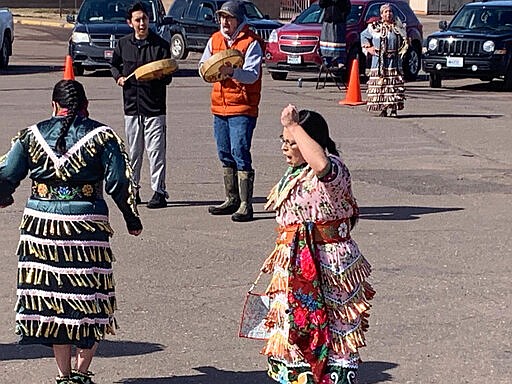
x: 477, y: 43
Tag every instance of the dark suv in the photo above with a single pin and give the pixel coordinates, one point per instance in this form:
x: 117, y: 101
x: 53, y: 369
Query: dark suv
x: 194, y: 21
x: 98, y: 26
x: 476, y: 44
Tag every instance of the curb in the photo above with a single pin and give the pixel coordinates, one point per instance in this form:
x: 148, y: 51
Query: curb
x: 47, y: 23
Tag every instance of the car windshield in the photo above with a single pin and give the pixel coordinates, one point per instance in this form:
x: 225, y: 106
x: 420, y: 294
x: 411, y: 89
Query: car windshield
x: 478, y: 18
x: 252, y: 12
x: 110, y: 11
x: 313, y: 14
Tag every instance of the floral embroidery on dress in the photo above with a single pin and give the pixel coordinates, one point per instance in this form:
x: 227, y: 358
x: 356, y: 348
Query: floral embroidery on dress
x: 87, y: 190
x: 65, y: 192
x: 343, y: 229
x: 42, y: 190
x: 307, y: 317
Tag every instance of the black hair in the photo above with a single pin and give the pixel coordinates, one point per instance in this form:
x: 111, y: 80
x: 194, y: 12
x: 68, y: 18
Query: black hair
x: 69, y: 94
x: 138, y: 6
x: 316, y: 127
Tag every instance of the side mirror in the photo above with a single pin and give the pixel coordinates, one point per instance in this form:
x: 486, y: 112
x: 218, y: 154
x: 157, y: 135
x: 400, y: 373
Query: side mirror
x: 71, y: 18
x: 443, y: 25
x: 266, y: 16
x: 167, y: 20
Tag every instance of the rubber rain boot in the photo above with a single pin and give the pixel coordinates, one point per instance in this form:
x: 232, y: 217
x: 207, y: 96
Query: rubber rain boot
x: 246, y: 187
x: 232, y: 202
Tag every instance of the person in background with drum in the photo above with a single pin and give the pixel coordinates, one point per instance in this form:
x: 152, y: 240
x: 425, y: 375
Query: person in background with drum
x: 234, y: 104
x: 144, y: 102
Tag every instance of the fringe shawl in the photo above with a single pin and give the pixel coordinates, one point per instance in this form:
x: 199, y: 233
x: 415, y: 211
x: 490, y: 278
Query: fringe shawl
x: 352, y: 312
x: 73, y: 160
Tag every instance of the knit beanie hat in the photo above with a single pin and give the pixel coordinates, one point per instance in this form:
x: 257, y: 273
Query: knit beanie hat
x: 234, y: 9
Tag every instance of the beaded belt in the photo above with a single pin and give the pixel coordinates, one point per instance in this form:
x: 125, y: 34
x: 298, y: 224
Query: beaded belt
x: 322, y: 233
x: 50, y: 190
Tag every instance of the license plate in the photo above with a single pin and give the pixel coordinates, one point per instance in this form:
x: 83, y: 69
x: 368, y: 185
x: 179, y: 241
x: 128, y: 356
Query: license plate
x: 293, y: 59
x: 457, y: 62
x: 108, y: 54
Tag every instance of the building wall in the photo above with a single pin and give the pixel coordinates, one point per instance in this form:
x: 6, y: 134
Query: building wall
x: 432, y: 7
x: 269, y: 7
x: 40, y: 3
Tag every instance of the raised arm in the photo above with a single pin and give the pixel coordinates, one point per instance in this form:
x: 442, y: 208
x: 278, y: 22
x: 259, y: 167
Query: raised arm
x: 312, y: 152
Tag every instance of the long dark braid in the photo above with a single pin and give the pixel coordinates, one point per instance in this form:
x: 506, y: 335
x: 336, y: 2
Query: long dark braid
x: 331, y: 147
x: 316, y: 127
x: 69, y: 94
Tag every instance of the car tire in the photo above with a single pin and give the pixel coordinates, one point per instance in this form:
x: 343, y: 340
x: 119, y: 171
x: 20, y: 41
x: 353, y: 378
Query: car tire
x: 278, y: 75
x: 507, y: 86
x: 78, y: 69
x: 178, y: 49
x: 4, y: 52
x: 411, y: 63
x: 435, y: 80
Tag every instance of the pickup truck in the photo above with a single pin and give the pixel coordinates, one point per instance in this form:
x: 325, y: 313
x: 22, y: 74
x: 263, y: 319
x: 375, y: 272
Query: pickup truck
x: 6, y: 36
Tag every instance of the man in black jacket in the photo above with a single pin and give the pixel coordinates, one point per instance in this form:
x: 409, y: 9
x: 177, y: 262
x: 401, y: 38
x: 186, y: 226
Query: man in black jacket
x: 144, y: 102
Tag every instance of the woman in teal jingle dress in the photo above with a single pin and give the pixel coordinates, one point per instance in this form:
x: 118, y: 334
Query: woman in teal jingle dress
x: 65, y: 288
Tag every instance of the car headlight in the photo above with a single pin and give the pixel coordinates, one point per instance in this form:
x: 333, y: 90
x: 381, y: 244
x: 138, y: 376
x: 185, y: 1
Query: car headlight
x: 432, y: 44
x: 80, y: 37
x: 273, y: 37
x: 488, y: 46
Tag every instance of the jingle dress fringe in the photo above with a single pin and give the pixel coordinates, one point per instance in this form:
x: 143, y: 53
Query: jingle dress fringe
x: 315, y: 335
x: 66, y: 288
x: 65, y: 283
x: 386, y: 91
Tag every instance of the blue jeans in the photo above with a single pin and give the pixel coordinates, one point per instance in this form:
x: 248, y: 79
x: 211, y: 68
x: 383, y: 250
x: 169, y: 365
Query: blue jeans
x: 233, y: 135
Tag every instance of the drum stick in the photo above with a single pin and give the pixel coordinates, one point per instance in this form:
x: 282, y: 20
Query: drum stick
x: 130, y: 75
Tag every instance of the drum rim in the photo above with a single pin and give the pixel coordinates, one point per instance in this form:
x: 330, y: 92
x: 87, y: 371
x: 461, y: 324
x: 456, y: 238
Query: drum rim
x: 144, y: 69
x: 215, y: 58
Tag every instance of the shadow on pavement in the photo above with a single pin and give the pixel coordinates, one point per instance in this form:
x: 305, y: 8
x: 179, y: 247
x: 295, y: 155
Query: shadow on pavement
x: 400, y: 212
x: 106, y: 349
x: 484, y: 86
x: 199, y: 203
x: 445, y: 116
x: 372, y: 372
x: 366, y: 213
x: 30, y: 69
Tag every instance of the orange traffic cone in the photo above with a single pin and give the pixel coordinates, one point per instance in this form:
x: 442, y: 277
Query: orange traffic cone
x: 353, y: 96
x: 69, y: 74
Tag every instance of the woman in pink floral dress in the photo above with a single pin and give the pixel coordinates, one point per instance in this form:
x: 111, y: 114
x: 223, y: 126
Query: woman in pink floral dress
x: 318, y: 289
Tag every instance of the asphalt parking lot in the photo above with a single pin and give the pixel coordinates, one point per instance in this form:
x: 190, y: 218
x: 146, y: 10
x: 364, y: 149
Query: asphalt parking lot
x: 434, y: 188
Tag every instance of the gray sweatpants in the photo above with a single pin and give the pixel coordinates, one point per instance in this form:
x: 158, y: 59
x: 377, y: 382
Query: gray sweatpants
x: 149, y: 133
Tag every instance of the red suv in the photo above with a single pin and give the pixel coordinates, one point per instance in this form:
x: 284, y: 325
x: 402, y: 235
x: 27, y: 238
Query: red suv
x: 295, y: 46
